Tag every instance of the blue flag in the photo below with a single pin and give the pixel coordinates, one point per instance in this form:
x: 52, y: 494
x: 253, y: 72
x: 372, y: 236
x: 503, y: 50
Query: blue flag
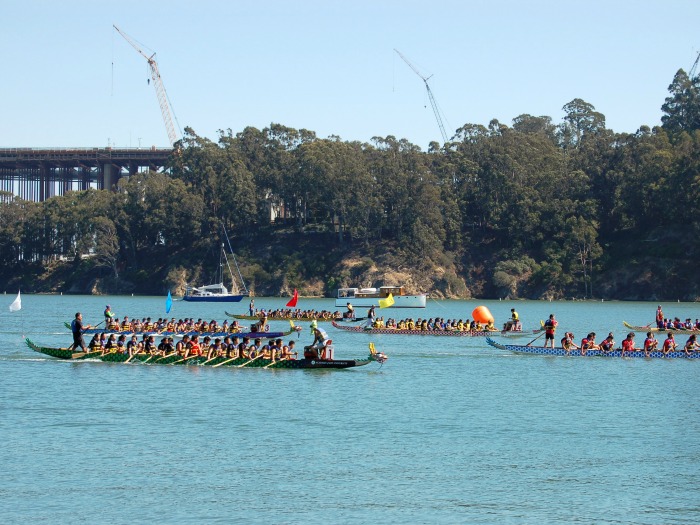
x: 168, y: 303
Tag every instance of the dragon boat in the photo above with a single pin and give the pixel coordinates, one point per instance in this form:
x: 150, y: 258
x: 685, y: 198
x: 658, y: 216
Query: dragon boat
x: 252, y: 335
x: 302, y: 319
x: 175, y: 359
x: 559, y: 351
x: 650, y: 328
x: 396, y: 331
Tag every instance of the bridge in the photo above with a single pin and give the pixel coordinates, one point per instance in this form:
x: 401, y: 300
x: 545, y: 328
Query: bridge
x: 36, y: 174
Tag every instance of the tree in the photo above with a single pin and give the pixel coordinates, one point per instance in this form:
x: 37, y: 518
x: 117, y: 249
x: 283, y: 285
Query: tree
x: 106, y: 247
x: 581, y: 118
x: 583, y: 235
x: 682, y: 108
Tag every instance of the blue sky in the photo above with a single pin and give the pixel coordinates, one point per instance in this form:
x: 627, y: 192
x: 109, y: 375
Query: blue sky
x: 329, y: 66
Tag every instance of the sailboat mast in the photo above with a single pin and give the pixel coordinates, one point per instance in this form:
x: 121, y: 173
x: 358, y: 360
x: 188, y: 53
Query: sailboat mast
x: 221, y: 264
x: 235, y: 262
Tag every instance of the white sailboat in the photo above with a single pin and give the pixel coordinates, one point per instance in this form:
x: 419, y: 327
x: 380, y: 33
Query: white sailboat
x: 218, y: 293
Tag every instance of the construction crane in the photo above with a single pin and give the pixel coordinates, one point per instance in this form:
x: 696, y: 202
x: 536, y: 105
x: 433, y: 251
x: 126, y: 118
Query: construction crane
x: 433, y: 103
x: 694, y: 67
x: 158, y: 84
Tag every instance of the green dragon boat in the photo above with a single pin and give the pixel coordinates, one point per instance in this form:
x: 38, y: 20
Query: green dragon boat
x: 175, y: 359
x: 649, y: 328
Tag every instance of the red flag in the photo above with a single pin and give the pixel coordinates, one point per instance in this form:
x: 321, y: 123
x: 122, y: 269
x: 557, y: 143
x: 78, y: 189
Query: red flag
x: 293, y: 301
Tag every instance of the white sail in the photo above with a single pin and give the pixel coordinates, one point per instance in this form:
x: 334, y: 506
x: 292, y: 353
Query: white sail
x: 16, y: 304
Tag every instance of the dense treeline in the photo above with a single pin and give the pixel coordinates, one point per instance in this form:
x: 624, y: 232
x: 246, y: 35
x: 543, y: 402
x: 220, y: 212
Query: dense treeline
x: 535, y: 209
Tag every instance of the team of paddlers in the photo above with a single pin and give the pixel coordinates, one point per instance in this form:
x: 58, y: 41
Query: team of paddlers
x: 297, y: 314
x: 437, y: 323
x: 190, y: 346
x: 181, y: 325
x: 666, y: 323
x: 230, y: 347
x: 433, y: 324
x: 651, y: 344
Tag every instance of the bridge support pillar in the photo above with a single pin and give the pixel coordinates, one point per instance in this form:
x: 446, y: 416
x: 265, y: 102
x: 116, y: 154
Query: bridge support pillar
x: 108, y: 176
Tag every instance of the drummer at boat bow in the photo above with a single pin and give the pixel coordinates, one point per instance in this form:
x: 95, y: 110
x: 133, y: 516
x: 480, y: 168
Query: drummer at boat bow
x: 320, y: 338
x: 514, y: 322
x: 350, y: 314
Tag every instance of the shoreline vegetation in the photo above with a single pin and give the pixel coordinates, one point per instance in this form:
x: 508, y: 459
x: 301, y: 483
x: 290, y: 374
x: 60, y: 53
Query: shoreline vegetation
x: 534, y: 210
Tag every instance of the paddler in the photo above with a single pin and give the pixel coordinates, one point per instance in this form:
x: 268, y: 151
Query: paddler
x: 350, y: 314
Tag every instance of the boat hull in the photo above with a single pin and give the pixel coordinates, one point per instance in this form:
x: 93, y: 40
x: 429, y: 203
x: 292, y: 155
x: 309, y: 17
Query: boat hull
x: 659, y: 330
x: 213, y: 298
x: 242, y: 317
x: 176, y: 360
x: 558, y: 351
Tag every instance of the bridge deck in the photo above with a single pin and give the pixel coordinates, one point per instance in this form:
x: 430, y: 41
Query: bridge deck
x: 39, y: 173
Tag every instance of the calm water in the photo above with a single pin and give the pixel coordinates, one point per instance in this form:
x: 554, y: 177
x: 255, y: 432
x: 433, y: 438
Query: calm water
x: 449, y: 430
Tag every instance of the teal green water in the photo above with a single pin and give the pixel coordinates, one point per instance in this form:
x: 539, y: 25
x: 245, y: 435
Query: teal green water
x: 449, y: 430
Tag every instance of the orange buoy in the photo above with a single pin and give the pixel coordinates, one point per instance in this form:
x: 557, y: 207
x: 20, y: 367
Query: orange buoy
x: 481, y: 314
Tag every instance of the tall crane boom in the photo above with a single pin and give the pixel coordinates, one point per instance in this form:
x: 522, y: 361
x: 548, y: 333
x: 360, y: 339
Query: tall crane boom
x: 433, y: 103
x: 694, y: 67
x: 158, y: 84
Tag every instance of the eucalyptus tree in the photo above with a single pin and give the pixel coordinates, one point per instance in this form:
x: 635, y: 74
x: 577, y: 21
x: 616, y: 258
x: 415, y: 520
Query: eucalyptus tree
x: 269, y: 155
x: 17, y: 240
x: 337, y: 182
x: 218, y: 174
x: 681, y: 109
x: 158, y: 214
x: 397, y: 167
x: 581, y: 118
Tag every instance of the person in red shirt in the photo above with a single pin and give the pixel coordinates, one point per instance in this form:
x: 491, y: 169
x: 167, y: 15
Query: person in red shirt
x: 567, y: 342
x: 628, y: 344
x: 650, y: 344
x: 690, y: 345
x: 588, y: 343
x: 608, y: 344
x: 669, y: 344
x: 659, y: 318
x: 550, y: 326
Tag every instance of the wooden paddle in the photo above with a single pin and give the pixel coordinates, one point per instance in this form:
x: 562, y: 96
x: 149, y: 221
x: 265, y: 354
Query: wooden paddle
x: 535, y: 339
x: 275, y: 362
x: 184, y: 359
x: 224, y: 362
x: 164, y: 356
x: 131, y: 357
x: 250, y: 360
x: 208, y: 360
x: 150, y: 357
